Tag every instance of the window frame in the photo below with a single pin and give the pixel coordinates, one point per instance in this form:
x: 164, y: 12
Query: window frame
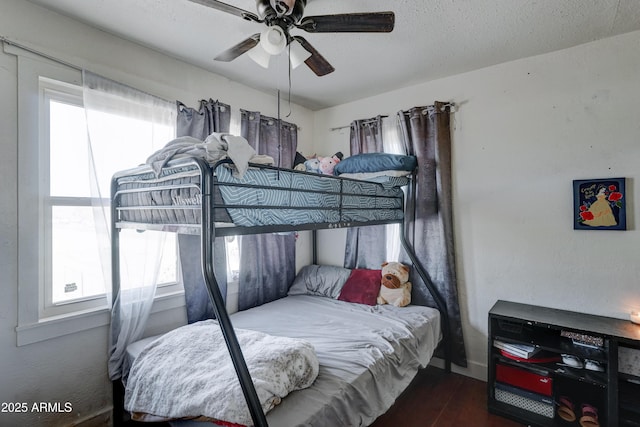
x: 51, y: 90
x: 36, y: 320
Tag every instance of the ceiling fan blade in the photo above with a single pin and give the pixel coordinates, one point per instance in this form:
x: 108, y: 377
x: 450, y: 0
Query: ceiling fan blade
x: 316, y: 62
x: 229, y: 9
x: 237, y: 50
x: 374, y: 22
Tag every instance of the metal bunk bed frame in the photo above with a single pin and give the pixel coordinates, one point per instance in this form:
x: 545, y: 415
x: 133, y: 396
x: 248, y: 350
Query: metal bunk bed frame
x: 208, y: 232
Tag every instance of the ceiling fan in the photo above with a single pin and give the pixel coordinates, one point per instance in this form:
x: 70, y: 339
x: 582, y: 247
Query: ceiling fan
x: 280, y: 16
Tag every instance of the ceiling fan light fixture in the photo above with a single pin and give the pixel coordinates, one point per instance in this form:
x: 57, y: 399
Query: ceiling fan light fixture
x: 297, y: 54
x: 281, y: 16
x: 259, y: 56
x: 273, y: 40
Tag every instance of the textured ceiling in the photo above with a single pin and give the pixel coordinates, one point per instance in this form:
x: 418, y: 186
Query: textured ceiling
x: 431, y: 39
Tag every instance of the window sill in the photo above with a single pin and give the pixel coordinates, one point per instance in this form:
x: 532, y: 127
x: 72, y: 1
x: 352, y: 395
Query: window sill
x: 58, y: 326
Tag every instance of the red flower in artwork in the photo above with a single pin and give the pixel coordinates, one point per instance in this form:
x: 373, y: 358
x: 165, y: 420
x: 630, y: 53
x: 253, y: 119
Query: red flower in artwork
x: 583, y: 208
x: 612, y: 188
x: 615, y: 196
x: 586, y: 215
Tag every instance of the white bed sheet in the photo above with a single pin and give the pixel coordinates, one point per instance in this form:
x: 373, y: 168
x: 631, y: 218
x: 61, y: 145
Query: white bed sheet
x: 368, y: 355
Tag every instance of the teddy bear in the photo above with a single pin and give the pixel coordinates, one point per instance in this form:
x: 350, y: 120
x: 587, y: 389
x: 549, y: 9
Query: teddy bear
x: 394, y: 286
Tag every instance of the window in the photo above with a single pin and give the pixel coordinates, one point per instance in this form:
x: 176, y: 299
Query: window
x: 232, y: 243
x: 392, y: 143
x: 72, y: 265
x: 60, y: 284
x: 233, y: 258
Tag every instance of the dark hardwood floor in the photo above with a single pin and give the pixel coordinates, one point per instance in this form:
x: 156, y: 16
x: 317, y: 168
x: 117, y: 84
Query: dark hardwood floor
x: 437, y: 399
x: 434, y: 399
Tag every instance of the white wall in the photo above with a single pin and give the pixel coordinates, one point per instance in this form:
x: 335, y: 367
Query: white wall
x: 72, y: 368
x: 523, y: 131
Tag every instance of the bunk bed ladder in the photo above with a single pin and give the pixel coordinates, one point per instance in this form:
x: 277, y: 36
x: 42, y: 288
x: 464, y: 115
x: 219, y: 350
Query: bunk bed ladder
x: 440, y: 302
x: 207, y: 237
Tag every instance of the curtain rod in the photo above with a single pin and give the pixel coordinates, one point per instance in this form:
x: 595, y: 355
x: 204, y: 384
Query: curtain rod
x: 70, y: 65
x: 449, y: 104
x: 366, y: 121
x: 37, y: 52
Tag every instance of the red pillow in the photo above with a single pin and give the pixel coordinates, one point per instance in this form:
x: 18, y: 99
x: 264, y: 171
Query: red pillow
x: 362, y: 286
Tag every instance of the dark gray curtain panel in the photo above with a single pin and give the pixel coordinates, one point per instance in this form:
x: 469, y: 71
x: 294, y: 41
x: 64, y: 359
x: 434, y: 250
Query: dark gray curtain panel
x: 212, y: 116
x: 366, y: 136
x: 366, y: 246
x: 267, y: 261
x: 428, y: 217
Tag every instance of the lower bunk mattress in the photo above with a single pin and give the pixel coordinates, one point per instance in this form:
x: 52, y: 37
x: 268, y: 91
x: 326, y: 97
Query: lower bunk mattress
x: 368, y: 355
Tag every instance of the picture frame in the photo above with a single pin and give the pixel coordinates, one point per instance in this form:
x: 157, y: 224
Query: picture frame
x: 599, y: 204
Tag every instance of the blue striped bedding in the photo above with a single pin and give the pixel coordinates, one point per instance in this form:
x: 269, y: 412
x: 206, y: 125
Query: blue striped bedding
x: 322, y: 199
x: 277, y: 197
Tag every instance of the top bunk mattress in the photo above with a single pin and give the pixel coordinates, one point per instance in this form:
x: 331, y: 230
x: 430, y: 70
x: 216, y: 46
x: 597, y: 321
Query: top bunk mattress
x: 368, y: 355
x: 264, y: 196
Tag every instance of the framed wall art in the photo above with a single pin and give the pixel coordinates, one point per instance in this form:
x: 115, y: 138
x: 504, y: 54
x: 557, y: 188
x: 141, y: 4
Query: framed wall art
x: 599, y: 204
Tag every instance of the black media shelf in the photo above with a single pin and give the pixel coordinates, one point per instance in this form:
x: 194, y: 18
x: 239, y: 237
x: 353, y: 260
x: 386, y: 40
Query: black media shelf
x: 531, y: 393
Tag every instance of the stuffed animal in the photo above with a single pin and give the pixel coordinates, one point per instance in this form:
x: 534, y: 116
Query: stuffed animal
x: 312, y: 165
x: 327, y: 164
x: 298, y: 162
x: 395, y: 288
x: 315, y: 164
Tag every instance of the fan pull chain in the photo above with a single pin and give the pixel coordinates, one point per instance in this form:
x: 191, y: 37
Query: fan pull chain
x: 279, y: 136
x: 289, y: 69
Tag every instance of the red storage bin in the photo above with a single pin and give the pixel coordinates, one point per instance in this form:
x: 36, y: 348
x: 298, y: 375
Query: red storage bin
x: 524, y: 379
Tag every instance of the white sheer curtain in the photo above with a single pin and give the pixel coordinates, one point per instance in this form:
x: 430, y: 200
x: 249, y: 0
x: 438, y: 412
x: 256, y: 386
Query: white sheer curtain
x: 392, y: 143
x: 124, y: 126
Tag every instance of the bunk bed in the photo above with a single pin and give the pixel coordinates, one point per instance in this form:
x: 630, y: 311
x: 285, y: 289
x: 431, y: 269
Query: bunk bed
x: 191, y: 196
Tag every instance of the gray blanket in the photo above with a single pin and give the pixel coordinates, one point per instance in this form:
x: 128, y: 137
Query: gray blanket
x: 188, y: 373
x: 216, y: 147
x: 368, y: 355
